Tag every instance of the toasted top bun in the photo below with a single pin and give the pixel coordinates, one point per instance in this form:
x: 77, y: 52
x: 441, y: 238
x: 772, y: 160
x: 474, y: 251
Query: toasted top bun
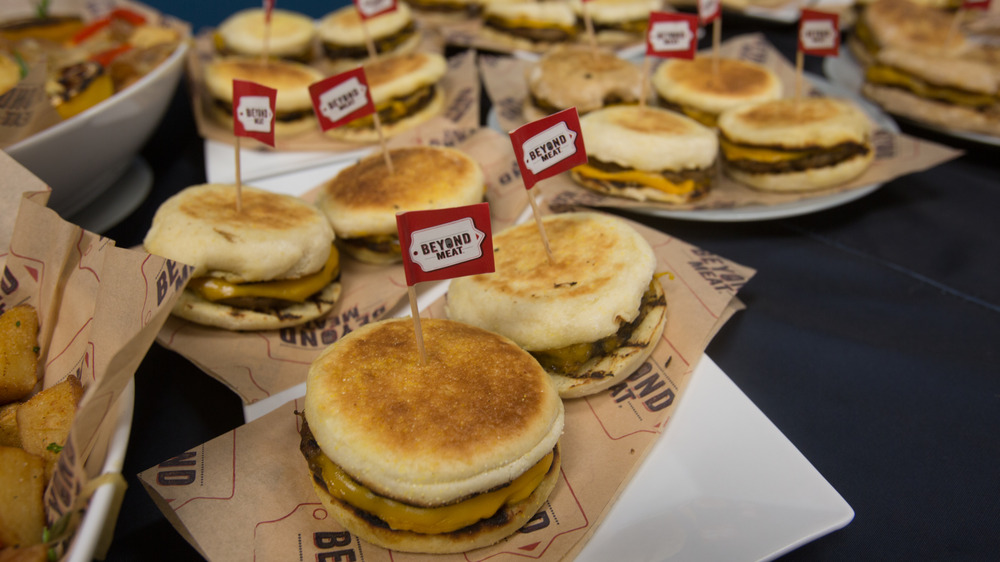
x: 291, y: 79
x: 911, y: 25
x: 602, y: 268
x: 391, y: 76
x: 243, y: 32
x: 363, y: 199
x: 965, y: 74
x: 10, y: 73
x: 648, y: 138
x: 791, y: 124
x: 556, y: 12
x: 616, y: 11
x: 343, y: 26
x: 578, y: 76
x: 695, y: 83
x: 477, y: 414
x: 272, y: 237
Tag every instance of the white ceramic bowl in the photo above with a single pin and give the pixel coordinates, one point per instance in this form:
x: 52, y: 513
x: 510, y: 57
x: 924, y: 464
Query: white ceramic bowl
x: 81, y: 157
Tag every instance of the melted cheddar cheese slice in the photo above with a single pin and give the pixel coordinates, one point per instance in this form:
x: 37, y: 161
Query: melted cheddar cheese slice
x: 295, y: 290
x: 879, y: 74
x: 740, y: 152
x: 636, y: 177
x: 431, y: 520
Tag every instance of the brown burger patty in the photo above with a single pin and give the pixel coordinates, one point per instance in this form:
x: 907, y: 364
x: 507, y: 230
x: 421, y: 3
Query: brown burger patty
x: 312, y: 452
x: 383, y: 45
x: 549, y: 108
x: 700, y: 177
x: 815, y: 158
x: 534, y: 34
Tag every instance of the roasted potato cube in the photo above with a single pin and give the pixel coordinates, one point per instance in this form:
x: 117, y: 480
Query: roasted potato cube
x: 18, y: 352
x: 22, y: 511
x: 46, y: 417
x: 8, y: 425
x: 35, y: 553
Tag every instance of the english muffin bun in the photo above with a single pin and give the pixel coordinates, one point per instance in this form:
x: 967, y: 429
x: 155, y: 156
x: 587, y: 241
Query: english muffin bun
x: 617, y: 22
x: 291, y: 35
x: 271, y: 264
x: 704, y: 87
x: 362, y: 200
x: 443, y: 456
x: 904, y: 24
x: 955, y: 94
x: 795, y: 145
x: 578, y: 76
x: 448, y: 9
x: 342, y: 35
x: 406, y: 92
x: 590, y: 318
x: 293, y: 106
x: 527, y: 25
x: 647, y: 153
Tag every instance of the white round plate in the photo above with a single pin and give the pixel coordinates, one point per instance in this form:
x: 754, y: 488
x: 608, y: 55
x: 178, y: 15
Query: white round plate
x: 844, y: 71
x: 118, y: 200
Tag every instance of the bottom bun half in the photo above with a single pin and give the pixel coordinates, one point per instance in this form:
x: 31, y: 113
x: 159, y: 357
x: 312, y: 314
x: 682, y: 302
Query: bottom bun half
x: 371, y: 135
x: 481, y: 534
x: 806, y: 180
x: 195, y: 308
x: 608, y: 370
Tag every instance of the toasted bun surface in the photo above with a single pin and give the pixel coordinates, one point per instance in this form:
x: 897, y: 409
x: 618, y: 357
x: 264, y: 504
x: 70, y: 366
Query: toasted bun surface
x: 602, y: 268
x: 343, y: 26
x: 925, y: 110
x: 806, y: 180
x: 965, y: 74
x: 791, y: 124
x: 398, y: 75
x: 695, y: 83
x: 290, y: 33
x: 477, y: 414
x: 648, y: 138
x: 578, y: 76
x: 191, y: 306
x: 291, y: 79
x: 363, y: 199
x: 273, y: 237
x: 910, y: 25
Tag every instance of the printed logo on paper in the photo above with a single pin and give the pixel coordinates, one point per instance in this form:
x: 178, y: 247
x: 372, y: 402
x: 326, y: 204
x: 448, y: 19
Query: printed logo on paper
x: 548, y: 146
x: 709, y: 10
x: 442, y: 244
x: 341, y: 98
x: 672, y: 35
x: 253, y: 111
x: 371, y: 8
x: 819, y: 33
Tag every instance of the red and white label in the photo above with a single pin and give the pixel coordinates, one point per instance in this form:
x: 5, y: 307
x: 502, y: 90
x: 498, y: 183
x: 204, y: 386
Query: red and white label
x: 371, y: 8
x: 253, y: 111
x: 709, y: 10
x: 819, y: 33
x: 976, y: 5
x: 440, y: 244
x: 672, y: 35
x: 548, y: 146
x: 341, y: 98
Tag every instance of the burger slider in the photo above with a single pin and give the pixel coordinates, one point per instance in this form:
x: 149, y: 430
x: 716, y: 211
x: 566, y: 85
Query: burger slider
x: 578, y: 76
x: 704, y: 87
x: 454, y: 9
x: 290, y: 36
x: 406, y: 92
x: 617, y: 22
x: 647, y: 153
x: 903, y: 24
x: 527, y: 25
x: 443, y: 456
x: 362, y: 200
x: 343, y: 37
x: 795, y: 145
x: 590, y: 318
x: 943, y: 91
x: 272, y: 264
x: 293, y: 106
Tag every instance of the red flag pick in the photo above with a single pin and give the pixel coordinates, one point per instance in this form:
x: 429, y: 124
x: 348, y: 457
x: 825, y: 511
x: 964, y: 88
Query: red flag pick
x: 371, y: 8
x: 819, y: 34
x: 440, y: 244
x: 342, y: 98
x: 253, y: 111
